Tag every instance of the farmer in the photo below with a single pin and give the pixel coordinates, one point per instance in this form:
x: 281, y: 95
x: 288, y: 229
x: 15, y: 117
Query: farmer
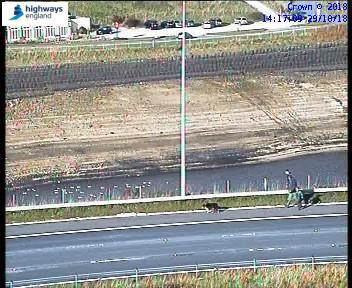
x: 291, y: 186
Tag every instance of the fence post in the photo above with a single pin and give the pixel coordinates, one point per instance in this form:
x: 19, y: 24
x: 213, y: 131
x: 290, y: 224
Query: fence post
x: 197, y: 270
x: 76, y: 281
x: 153, y: 43
x: 13, y: 200
x: 265, y: 183
x: 62, y: 195
x: 313, y: 266
x: 227, y: 186
x: 11, y: 284
x: 254, y: 265
x: 140, y: 191
x: 308, y: 181
x: 137, y: 284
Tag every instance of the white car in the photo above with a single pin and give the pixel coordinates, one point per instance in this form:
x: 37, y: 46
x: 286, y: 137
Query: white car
x: 208, y: 25
x: 241, y: 21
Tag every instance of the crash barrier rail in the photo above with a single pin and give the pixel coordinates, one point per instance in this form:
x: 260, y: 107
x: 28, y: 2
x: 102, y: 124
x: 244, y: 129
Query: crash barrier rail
x: 198, y: 268
x: 155, y: 42
x: 49, y: 78
x: 163, y: 199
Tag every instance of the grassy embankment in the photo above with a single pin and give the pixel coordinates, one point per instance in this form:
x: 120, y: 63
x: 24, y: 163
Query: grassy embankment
x: 198, y: 11
x: 168, y: 206
x: 119, y: 53
x: 331, y: 275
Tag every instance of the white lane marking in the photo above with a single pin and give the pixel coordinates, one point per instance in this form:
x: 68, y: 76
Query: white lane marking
x: 236, y: 235
x: 116, y: 260
x: 173, y: 224
x: 264, y: 249
x: 134, y: 214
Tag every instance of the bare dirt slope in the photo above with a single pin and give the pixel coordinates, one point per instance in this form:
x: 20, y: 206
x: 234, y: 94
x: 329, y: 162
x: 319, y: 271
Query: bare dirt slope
x: 128, y: 129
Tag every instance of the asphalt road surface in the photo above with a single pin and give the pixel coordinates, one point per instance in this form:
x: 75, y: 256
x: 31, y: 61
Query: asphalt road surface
x: 155, y: 241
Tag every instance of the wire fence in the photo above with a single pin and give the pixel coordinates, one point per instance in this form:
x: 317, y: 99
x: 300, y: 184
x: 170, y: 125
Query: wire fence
x: 152, y: 43
x: 46, y: 79
x: 196, y: 268
x: 122, y: 189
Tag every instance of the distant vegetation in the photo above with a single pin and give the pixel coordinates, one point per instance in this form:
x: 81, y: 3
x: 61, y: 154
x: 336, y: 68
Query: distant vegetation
x: 105, y: 11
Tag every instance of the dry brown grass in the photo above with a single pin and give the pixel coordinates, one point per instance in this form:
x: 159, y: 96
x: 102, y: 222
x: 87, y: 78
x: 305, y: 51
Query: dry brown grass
x: 326, y: 276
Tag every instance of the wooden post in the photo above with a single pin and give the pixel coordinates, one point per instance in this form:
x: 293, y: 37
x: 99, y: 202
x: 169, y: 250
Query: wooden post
x: 62, y: 195
x: 227, y: 186
x: 254, y: 265
x: 265, y: 183
x: 13, y: 200
x: 308, y: 181
x: 137, y: 284
x: 76, y: 281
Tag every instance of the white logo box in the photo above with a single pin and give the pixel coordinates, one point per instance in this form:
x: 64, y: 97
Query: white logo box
x: 32, y: 14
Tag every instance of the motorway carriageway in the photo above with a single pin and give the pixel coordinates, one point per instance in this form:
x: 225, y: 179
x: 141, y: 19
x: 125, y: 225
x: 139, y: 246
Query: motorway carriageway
x: 115, y: 244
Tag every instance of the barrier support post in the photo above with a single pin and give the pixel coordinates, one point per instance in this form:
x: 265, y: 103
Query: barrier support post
x: 265, y: 183
x: 13, y: 200
x: 62, y: 196
x: 137, y: 284
x: 76, y: 281
x: 227, y: 186
x: 254, y: 265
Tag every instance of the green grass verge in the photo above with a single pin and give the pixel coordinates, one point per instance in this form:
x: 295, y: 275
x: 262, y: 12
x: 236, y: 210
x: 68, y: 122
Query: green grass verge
x: 166, y: 50
x: 168, y: 206
x: 331, y: 275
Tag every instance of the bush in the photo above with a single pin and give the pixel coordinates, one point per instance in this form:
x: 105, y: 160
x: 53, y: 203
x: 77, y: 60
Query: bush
x: 117, y: 19
x: 255, y: 16
x: 132, y: 22
x: 82, y: 30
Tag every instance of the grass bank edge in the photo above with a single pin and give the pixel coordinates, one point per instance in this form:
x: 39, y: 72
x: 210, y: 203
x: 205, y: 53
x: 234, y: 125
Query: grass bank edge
x: 154, y: 207
x: 304, y: 276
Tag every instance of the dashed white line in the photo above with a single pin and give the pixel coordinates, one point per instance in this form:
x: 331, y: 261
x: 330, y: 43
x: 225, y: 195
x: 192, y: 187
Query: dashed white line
x: 173, y: 224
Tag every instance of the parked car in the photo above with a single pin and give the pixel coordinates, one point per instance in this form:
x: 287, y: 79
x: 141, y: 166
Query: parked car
x: 217, y: 21
x: 151, y: 24
x: 187, y: 35
x: 178, y: 24
x: 190, y: 23
x: 208, y: 24
x: 104, y: 30
x: 241, y: 21
x: 167, y: 24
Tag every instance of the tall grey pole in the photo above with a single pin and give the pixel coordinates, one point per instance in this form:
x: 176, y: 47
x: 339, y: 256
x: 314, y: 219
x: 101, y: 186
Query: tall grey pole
x: 183, y: 104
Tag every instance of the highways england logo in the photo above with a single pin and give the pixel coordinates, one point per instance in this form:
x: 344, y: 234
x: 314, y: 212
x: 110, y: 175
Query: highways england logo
x: 32, y: 14
x: 17, y: 12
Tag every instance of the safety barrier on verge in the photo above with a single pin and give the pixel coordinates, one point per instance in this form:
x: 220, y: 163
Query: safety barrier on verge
x: 163, y: 199
x: 136, y: 273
